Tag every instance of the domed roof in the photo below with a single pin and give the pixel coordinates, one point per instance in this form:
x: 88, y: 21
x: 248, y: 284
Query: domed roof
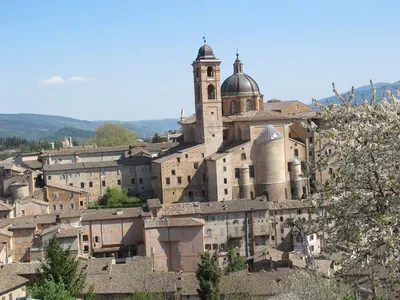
x: 295, y: 161
x: 240, y: 84
x: 269, y: 134
x: 205, y: 52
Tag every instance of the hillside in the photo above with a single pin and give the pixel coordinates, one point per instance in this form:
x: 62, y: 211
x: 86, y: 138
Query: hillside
x: 365, y: 90
x: 37, y: 126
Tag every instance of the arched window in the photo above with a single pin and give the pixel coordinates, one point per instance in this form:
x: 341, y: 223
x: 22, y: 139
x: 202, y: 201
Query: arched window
x: 211, y: 92
x: 197, y: 72
x: 233, y: 107
x: 249, y: 105
x: 209, y: 233
x: 239, y: 135
x: 243, y: 156
x: 296, y: 152
x: 210, y: 72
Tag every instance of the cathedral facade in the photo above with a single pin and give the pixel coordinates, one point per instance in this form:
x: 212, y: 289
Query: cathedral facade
x: 236, y: 145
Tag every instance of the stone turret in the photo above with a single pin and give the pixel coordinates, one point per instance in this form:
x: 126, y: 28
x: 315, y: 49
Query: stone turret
x: 244, y: 181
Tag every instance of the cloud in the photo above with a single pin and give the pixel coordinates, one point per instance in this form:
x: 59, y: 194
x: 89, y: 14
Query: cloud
x: 51, y: 80
x: 59, y: 80
x: 79, y: 79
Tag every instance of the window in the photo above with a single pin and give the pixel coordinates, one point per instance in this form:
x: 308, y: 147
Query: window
x: 173, y: 172
x: 226, y: 191
x: 312, y: 248
x: 237, y: 173
x: 178, y: 159
x: 179, y: 180
x: 81, y: 203
x: 211, y: 92
x: 233, y: 107
x: 23, y: 212
x: 190, y: 194
x: 194, y: 248
x: 310, y: 153
x: 272, y: 238
x: 210, y: 72
x: 215, y: 246
x: 186, y: 155
x: 168, y: 180
x: 249, y: 105
x: 330, y: 171
x: 281, y: 219
x: 196, y: 165
x: 90, y: 184
x: 329, y: 151
x: 54, y: 207
x: 296, y: 152
x: 55, y: 195
x: 311, y: 237
x: 224, y: 160
x: 299, y: 211
x: 204, y: 177
x: 49, y: 177
x: 61, y: 207
x: 208, y: 247
x: 282, y: 230
x: 68, y: 221
x: 251, y: 171
x: 202, y: 155
x: 310, y: 139
x: 85, y: 238
x: 224, y: 169
x: 243, y: 156
x: 103, y: 183
x: 86, y: 248
x: 133, y: 181
x: 119, y: 181
x: 203, y: 193
x: 71, y: 184
x: 82, y: 185
x: 209, y: 233
x: 172, y: 232
x: 225, y: 180
x: 189, y: 178
x: 178, y: 248
x: 72, y: 206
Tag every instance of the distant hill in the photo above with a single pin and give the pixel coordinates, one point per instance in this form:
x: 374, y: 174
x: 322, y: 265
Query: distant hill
x: 37, y: 126
x: 365, y: 90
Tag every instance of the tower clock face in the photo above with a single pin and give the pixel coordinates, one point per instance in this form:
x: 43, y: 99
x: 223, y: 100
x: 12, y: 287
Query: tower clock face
x: 199, y: 115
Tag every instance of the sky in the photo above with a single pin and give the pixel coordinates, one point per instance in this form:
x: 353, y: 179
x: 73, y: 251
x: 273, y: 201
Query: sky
x: 131, y: 60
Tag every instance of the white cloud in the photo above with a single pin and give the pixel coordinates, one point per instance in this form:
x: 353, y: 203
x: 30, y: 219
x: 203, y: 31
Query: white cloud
x: 51, y: 80
x: 59, y: 80
x: 79, y: 79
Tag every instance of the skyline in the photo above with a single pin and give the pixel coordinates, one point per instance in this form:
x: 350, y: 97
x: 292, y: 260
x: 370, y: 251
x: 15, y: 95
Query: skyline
x: 79, y: 59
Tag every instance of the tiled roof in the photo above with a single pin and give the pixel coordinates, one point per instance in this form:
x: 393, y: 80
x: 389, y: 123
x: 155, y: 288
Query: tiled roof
x: 63, y: 230
x: 11, y: 282
x: 176, y: 151
x: 32, y: 221
x: 153, y: 203
x: 70, y: 214
x: 103, y: 214
x: 20, y: 268
x: 67, y: 188
x: 5, y: 233
x: 226, y: 150
x: 289, y: 204
x: 90, y: 149
x: 32, y: 164
x: 173, y: 222
x: 156, y: 147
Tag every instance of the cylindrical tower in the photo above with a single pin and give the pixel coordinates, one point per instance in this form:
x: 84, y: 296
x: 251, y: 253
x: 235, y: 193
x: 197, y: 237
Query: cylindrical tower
x: 270, y: 164
x: 296, y: 179
x: 244, y: 181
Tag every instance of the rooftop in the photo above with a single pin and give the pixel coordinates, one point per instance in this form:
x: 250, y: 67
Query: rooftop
x: 153, y: 203
x: 5, y: 207
x: 108, y: 214
x: 173, y: 222
x: 11, y: 282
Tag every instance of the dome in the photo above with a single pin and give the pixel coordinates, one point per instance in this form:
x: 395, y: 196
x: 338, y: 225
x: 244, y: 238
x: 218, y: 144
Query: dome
x: 295, y: 161
x: 205, y: 52
x: 269, y: 134
x: 240, y: 84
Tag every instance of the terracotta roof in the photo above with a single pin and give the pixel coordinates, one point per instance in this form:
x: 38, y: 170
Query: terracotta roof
x: 173, y: 222
x: 67, y: 188
x: 5, y: 207
x: 153, y: 203
x: 32, y: 164
x: 103, y: 214
x: 11, y: 282
x: 32, y: 221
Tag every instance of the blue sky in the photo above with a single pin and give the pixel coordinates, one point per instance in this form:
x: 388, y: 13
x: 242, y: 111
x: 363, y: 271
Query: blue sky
x: 131, y: 60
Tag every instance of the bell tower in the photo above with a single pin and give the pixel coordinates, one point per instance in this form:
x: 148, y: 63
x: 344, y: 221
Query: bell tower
x: 207, y: 93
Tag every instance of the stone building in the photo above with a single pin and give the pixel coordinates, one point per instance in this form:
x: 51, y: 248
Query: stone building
x: 63, y: 198
x: 235, y: 145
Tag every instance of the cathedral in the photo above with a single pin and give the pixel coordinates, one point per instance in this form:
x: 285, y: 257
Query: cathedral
x: 236, y: 145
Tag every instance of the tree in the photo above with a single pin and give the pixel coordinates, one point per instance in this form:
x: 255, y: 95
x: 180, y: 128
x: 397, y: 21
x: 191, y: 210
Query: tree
x: 49, y: 290
x: 110, y: 134
x: 235, y: 263
x: 208, y: 275
x: 115, y: 197
x: 60, y: 267
x: 146, y: 296
x: 304, y: 285
x: 363, y: 193
x: 156, y: 138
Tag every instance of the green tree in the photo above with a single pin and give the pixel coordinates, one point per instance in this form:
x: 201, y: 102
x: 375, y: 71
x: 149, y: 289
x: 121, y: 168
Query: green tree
x: 208, y: 275
x: 235, y: 263
x: 156, y: 138
x: 110, y: 134
x: 49, y: 290
x: 60, y: 267
x: 115, y: 197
